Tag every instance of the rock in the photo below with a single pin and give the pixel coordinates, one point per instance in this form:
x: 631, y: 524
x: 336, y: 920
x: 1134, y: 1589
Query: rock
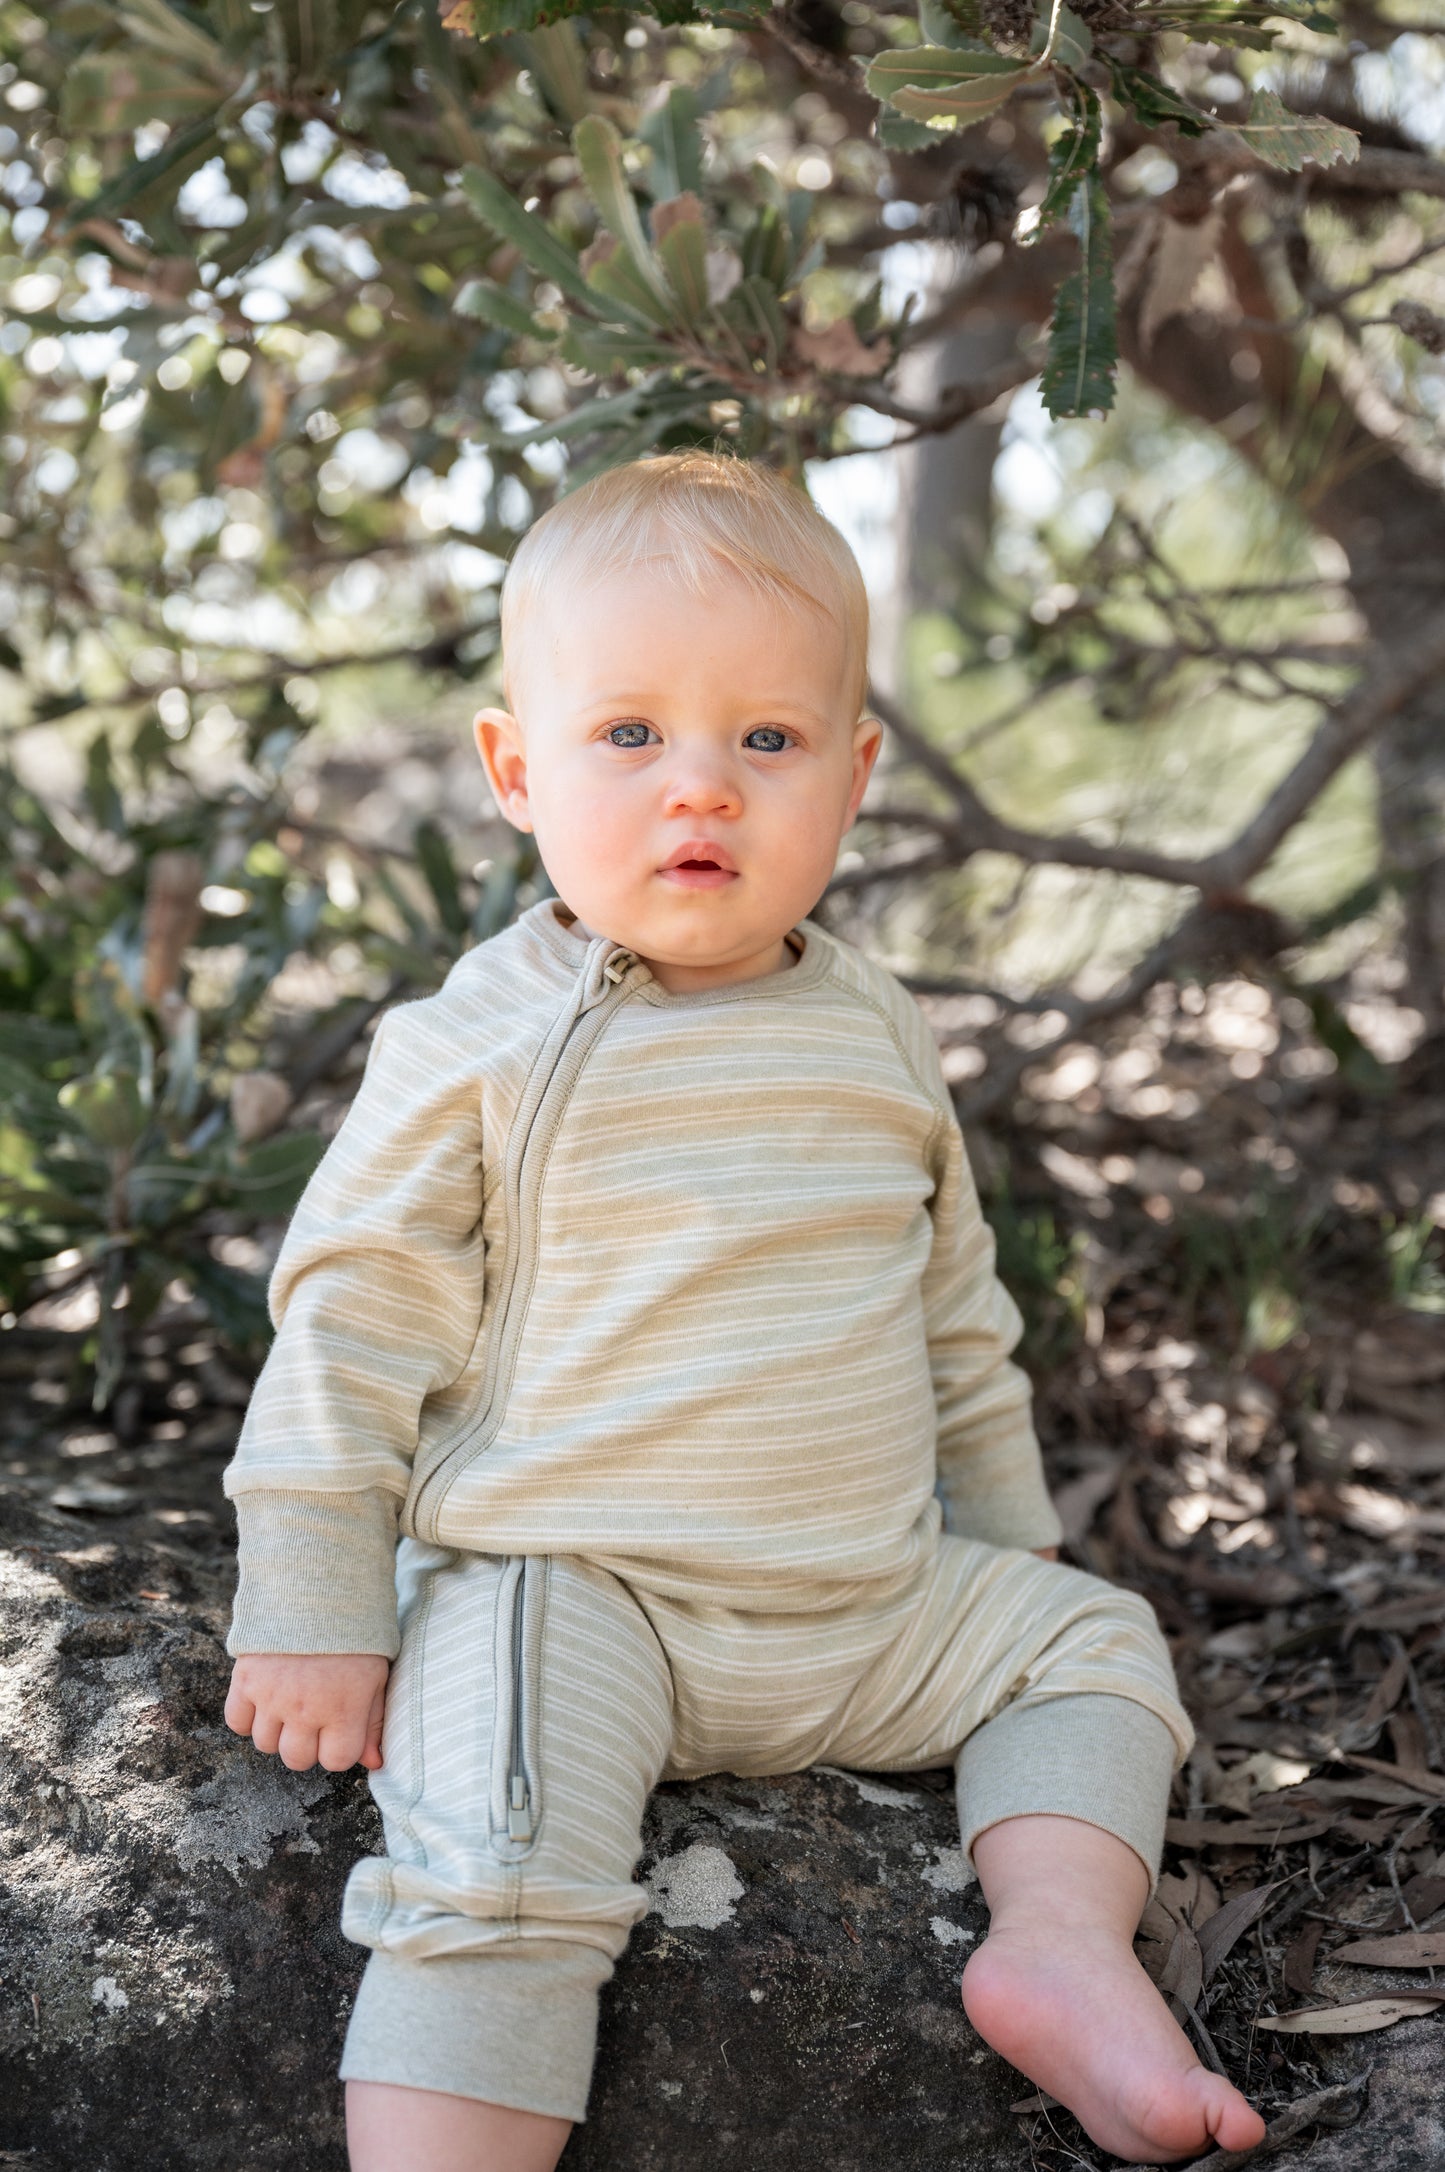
x: 175, y: 1988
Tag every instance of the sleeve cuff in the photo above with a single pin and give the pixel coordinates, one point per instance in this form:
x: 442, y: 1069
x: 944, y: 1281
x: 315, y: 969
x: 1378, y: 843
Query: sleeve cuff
x: 1020, y: 1514
x: 317, y: 1573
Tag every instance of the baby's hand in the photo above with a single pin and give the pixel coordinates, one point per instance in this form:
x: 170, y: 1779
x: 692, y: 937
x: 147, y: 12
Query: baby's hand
x: 313, y: 1707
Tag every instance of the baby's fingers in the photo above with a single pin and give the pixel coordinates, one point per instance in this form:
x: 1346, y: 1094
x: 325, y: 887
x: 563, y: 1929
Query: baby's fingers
x: 240, y: 1711
x: 371, y: 1753
x: 298, y: 1746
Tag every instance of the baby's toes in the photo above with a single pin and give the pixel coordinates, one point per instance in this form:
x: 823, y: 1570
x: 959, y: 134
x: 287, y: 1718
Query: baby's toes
x: 1233, y: 2122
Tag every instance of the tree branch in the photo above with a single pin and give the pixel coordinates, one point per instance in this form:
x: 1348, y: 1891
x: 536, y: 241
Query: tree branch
x: 1344, y: 730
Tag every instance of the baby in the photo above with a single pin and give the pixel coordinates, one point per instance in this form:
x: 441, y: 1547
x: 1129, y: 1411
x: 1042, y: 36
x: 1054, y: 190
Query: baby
x: 644, y: 1292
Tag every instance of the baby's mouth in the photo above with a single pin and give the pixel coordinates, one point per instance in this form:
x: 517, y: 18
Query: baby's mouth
x: 698, y: 865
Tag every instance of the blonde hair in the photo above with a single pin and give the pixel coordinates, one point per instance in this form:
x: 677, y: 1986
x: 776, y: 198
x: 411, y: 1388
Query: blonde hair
x: 702, y: 510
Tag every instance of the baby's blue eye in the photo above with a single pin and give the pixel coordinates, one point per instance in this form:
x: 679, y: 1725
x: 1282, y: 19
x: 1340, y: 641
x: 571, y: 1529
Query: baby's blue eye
x: 766, y: 740
x: 629, y: 735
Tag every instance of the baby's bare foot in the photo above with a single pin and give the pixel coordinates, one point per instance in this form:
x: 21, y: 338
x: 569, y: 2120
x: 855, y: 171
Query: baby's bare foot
x: 1072, y: 2008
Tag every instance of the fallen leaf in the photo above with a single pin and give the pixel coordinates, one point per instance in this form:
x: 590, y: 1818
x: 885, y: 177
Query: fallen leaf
x: 1412, y: 1949
x: 1413, y: 1776
x: 1299, y: 1960
x: 1242, y: 1832
x: 1223, y: 1930
x: 1357, y: 2018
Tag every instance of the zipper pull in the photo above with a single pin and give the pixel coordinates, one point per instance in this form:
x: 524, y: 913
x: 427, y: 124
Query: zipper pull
x: 519, y: 1816
x: 617, y: 965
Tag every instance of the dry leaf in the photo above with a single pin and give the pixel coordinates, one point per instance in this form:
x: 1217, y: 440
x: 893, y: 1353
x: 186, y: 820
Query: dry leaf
x: 1356, y: 2019
x: 1299, y: 1961
x: 1223, y: 1930
x: 1412, y: 1949
x: 684, y: 210
x: 1243, y: 1832
x: 838, y: 348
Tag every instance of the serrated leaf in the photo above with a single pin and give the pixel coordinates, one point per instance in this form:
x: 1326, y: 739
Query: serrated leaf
x: 619, y: 290
x: 930, y: 81
x: 765, y: 247
x: 958, y: 24
x: 603, y: 348
x: 896, y: 134
x: 498, y: 208
x: 1072, y: 155
x: 1289, y: 140
x: 1078, y: 377
x: 671, y: 133
x: 752, y: 308
x: 683, y: 252
x: 1154, y: 102
x: 599, y: 154
x: 151, y: 22
x: 1073, y: 40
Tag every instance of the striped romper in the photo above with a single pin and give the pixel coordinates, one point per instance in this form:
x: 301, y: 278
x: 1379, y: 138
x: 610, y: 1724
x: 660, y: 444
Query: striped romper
x: 663, y: 1332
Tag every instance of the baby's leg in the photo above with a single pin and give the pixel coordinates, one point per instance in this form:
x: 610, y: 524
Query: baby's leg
x: 420, y: 2130
x: 1060, y: 1690
x: 528, y: 1717
x: 1057, y: 1989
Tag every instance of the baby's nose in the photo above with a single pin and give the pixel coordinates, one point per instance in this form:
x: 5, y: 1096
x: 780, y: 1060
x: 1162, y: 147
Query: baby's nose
x: 702, y: 790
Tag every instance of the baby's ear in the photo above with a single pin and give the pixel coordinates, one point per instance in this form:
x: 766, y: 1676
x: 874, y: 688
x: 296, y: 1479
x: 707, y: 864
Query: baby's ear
x: 504, y: 758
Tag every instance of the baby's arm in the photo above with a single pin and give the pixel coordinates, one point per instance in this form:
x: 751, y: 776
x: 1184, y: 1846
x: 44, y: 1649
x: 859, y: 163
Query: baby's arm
x: 989, y: 1467
x: 312, y: 1708
x: 377, y: 1297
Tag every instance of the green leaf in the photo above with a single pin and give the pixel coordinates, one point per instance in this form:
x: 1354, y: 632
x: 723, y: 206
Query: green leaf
x: 1078, y: 378
x: 752, y: 309
x: 112, y: 94
x: 1073, y: 39
x: 619, y: 290
x: 683, y: 252
x: 434, y: 856
x: 270, y: 1177
x: 1154, y: 102
x: 496, y: 206
x: 484, y: 300
x: 599, y: 154
x: 766, y: 247
x: 176, y: 32
x: 1072, y: 155
x: 896, y: 134
x: 958, y: 24
x: 235, y: 1300
x: 929, y: 81
x: 1290, y: 140
x: 670, y: 132
x: 603, y: 348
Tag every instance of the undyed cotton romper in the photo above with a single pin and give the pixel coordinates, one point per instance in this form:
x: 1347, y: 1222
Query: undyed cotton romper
x: 649, y: 1320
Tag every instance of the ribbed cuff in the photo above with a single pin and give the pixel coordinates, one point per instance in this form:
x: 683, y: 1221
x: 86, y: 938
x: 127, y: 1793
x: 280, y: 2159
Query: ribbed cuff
x: 512, y: 2023
x: 1106, y: 1760
x: 317, y: 1573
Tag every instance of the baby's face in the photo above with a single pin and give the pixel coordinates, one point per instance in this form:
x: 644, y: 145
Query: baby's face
x: 688, y: 766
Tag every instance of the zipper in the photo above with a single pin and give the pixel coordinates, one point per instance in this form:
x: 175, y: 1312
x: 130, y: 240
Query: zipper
x: 602, y: 987
x: 519, y: 1797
